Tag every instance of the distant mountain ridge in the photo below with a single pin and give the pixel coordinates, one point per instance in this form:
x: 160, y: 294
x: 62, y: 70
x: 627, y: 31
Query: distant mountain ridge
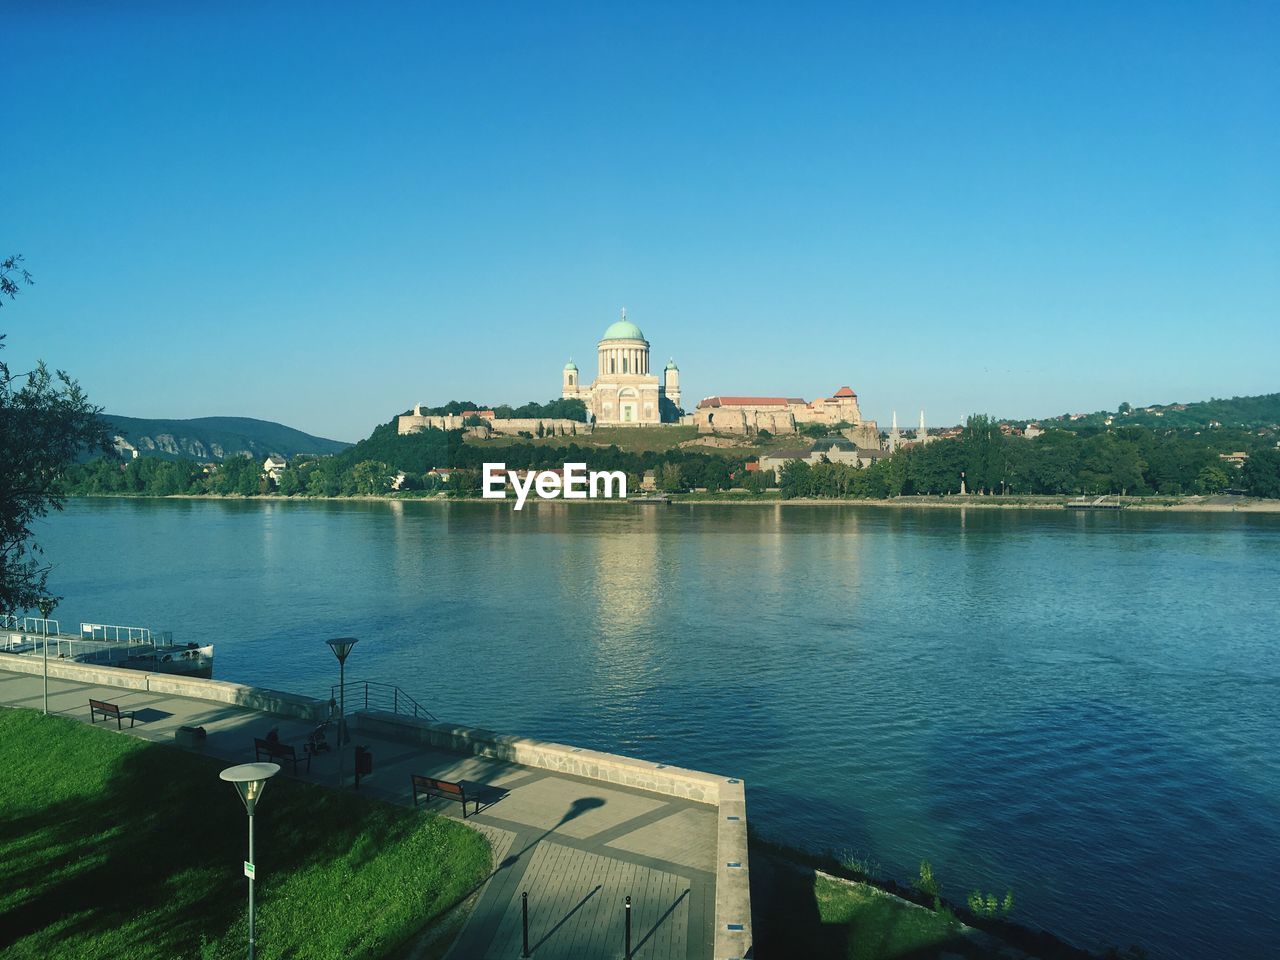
x: 215, y: 438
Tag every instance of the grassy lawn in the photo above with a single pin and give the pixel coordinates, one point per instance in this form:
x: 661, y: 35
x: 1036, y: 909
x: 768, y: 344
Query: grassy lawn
x: 632, y: 439
x: 803, y: 911
x: 879, y: 925
x: 805, y: 914
x: 641, y: 439
x: 114, y: 847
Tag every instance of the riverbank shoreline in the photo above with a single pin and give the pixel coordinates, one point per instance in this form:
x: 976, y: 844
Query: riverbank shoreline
x: 784, y: 876
x: 1162, y: 504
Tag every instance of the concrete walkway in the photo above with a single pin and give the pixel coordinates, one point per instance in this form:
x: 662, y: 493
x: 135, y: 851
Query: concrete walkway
x: 577, y: 846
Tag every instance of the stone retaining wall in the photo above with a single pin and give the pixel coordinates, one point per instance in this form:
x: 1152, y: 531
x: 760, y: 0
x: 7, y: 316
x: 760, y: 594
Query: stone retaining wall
x: 727, y: 794
x: 411, y: 423
x: 733, y: 874
x: 218, y: 691
x: 543, y: 755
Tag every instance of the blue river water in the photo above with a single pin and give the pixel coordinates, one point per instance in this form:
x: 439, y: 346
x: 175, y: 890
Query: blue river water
x: 1084, y: 709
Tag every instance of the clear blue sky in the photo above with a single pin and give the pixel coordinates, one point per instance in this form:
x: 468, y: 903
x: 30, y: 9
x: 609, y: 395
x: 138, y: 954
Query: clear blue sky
x: 323, y: 214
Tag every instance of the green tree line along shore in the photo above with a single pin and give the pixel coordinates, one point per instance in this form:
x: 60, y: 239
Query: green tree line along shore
x: 1090, y: 461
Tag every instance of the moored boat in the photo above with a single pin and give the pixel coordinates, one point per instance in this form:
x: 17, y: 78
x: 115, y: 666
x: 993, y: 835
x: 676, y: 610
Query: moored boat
x: 107, y: 645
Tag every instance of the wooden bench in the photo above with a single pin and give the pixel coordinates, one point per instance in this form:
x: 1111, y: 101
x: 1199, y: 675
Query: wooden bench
x: 275, y: 750
x: 108, y: 710
x: 429, y: 787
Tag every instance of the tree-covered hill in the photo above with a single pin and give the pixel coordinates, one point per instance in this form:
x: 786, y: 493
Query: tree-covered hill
x: 1134, y: 461
x: 216, y: 438
x: 1238, y: 413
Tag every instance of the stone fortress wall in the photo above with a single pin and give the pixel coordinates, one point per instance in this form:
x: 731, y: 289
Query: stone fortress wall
x: 560, y: 426
x: 747, y: 416
x: 413, y: 422
x: 865, y: 435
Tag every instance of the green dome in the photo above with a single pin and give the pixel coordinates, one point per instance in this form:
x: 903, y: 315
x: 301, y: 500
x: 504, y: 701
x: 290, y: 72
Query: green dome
x: 623, y: 330
x: 671, y: 365
x: 571, y: 365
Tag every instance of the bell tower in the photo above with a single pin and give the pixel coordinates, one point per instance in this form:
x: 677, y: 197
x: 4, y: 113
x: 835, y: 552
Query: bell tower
x: 671, y: 383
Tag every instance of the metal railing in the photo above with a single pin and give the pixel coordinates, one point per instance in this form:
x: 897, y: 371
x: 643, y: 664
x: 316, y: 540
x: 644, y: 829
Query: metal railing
x: 36, y: 626
x: 21, y: 643
x: 88, y: 651
x: 116, y: 634
x: 99, y: 652
x: 373, y: 695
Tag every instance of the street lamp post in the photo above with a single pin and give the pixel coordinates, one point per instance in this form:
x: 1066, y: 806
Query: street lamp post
x: 47, y: 606
x: 341, y: 647
x: 250, y: 779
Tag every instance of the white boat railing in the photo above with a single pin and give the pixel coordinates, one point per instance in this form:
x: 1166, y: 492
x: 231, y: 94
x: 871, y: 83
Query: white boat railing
x: 116, y: 634
x: 45, y: 628
x: 88, y: 651
x: 91, y: 651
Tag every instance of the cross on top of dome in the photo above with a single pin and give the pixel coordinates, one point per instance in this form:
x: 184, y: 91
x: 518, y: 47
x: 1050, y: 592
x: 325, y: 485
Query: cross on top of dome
x: 623, y: 329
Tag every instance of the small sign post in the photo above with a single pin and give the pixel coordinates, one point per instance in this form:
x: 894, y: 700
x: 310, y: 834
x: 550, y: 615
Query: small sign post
x: 248, y: 869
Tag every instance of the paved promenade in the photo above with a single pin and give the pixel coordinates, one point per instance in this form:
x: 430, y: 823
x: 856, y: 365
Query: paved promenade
x: 577, y: 846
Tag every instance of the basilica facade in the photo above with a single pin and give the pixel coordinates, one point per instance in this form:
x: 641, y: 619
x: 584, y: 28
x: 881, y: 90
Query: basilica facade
x: 624, y: 391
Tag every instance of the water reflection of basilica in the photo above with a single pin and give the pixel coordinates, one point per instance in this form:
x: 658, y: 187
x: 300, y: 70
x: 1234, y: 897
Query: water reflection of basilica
x: 626, y: 557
